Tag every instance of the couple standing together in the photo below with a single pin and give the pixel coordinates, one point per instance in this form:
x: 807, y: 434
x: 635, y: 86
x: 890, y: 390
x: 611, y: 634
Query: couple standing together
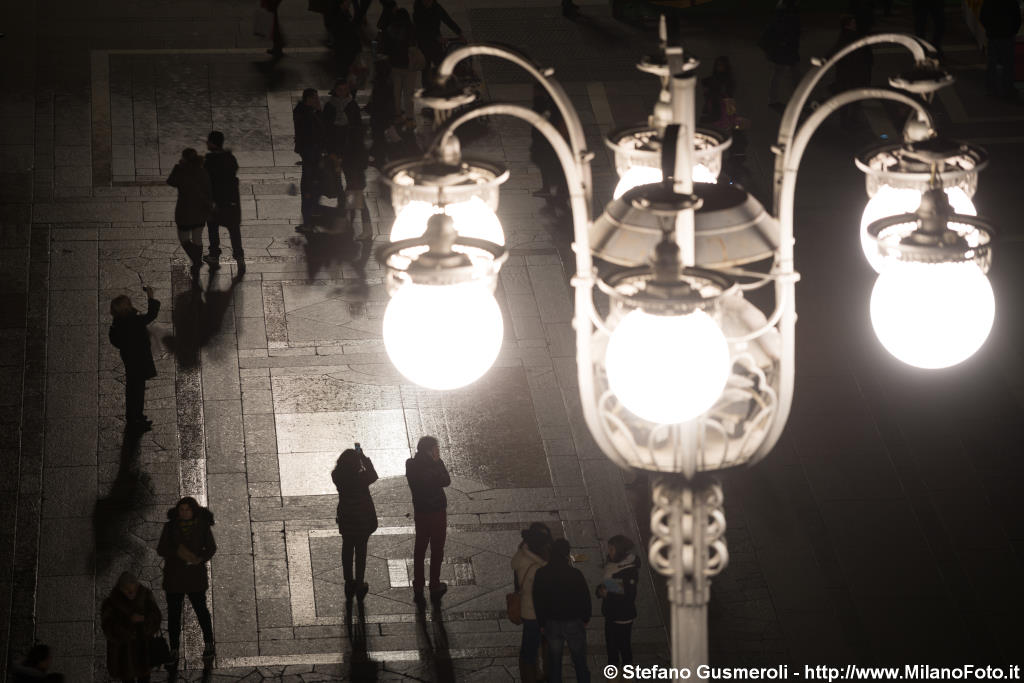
x: 357, y: 517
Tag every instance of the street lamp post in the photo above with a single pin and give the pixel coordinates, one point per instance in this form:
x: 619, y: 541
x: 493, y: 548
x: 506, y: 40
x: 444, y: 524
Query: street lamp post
x: 684, y: 376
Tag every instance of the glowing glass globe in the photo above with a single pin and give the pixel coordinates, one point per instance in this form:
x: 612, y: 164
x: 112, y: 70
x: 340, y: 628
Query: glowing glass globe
x: 443, y: 336
x: 667, y: 369
x: 646, y: 175
x: 932, y: 315
x: 472, y: 218
x: 893, y: 201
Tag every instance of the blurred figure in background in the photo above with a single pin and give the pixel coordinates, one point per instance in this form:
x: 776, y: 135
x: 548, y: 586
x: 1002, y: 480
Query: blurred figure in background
x: 781, y: 44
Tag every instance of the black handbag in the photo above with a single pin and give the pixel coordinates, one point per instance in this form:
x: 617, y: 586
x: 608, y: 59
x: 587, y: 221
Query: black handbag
x: 159, y: 651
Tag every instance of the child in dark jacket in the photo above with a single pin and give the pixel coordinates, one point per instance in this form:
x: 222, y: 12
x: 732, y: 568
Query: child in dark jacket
x: 618, y: 594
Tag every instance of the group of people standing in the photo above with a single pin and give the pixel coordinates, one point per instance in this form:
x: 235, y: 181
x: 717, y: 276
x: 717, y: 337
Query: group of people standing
x: 555, y: 604
x: 208, y: 197
x: 130, y: 615
x: 427, y: 477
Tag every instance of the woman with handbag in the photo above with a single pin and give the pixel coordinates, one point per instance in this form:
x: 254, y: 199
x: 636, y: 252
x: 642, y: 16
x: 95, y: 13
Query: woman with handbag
x: 187, y: 544
x: 130, y: 618
x: 531, y: 556
x: 356, y: 516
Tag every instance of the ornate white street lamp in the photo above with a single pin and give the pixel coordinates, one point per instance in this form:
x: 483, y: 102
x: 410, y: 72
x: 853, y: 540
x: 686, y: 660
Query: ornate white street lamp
x: 683, y: 376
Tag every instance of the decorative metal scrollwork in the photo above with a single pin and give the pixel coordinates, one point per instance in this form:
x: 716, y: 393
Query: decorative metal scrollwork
x: 688, y: 544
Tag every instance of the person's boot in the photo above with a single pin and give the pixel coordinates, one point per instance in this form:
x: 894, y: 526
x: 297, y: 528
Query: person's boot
x: 209, y: 651
x: 350, y: 589
x: 361, y: 590
x: 437, y: 591
x: 527, y: 670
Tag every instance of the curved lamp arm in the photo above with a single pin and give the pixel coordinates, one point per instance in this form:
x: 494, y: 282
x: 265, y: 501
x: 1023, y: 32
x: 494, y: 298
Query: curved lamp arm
x: 541, y: 75
x: 577, y: 171
x: 786, y: 174
x: 791, y: 116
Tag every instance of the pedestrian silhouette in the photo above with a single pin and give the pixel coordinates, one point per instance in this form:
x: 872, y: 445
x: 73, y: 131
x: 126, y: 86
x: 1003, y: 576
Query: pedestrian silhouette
x: 561, y: 600
x: 531, y: 555
x: 618, y: 599
x: 428, y: 477
x: 130, y: 335
x: 197, y: 318
x: 357, y: 517
x: 310, y: 142
x: 222, y: 167
x: 130, y: 618
x: 187, y: 544
x: 192, y: 210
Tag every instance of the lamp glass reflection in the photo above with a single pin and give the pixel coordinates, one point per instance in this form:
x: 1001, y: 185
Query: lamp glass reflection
x: 443, y: 336
x: 473, y: 218
x: 647, y: 175
x: 894, y: 201
x: 667, y: 369
x: 932, y: 315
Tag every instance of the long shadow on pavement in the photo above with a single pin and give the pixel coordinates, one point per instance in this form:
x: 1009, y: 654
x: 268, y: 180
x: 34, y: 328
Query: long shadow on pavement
x: 197, y: 318
x: 115, y: 515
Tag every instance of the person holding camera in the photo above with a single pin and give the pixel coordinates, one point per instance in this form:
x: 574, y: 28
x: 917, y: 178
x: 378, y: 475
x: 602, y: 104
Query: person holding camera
x: 356, y: 517
x: 129, y: 333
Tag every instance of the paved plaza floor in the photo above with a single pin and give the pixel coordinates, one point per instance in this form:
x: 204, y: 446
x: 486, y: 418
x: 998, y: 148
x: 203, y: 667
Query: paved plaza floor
x: 884, y: 527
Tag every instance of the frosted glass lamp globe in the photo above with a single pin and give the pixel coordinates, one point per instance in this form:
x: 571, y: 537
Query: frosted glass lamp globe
x: 932, y: 315
x: 667, y: 369
x: 894, y: 201
x: 473, y: 218
x: 443, y: 336
x: 646, y: 175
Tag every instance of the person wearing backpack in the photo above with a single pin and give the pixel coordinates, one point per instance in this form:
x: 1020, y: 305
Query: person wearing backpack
x: 618, y: 595
x: 531, y: 556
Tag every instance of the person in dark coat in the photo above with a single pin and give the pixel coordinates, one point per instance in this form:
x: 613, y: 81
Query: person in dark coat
x: 345, y: 29
x: 187, y: 544
x: 382, y: 112
x: 357, y: 517
x: 781, y: 44
x: 130, y: 618
x: 222, y: 167
x: 310, y: 142
x: 427, y: 17
x: 428, y: 477
x: 1001, y: 19
x: 405, y: 76
x: 35, y: 668
x: 192, y: 209
x: 561, y: 600
x: 618, y: 595
x: 130, y: 336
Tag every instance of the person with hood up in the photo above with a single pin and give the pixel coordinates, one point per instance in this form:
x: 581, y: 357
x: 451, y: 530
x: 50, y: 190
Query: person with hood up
x: 187, y: 544
x: 561, y: 600
x: 356, y: 516
x: 192, y: 209
x: 618, y: 595
x: 531, y: 556
x: 130, y: 336
x: 428, y: 477
x: 130, y: 618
